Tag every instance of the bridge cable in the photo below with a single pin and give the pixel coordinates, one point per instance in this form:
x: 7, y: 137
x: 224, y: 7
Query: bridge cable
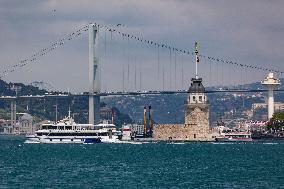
x: 135, y: 81
x: 175, y: 60
x: 182, y: 71
x: 210, y: 72
x: 170, y: 51
x: 158, y: 47
x: 128, y: 60
x: 43, y: 52
x: 222, y: 74
x: 163, y: 77
x: 142, y: 40
x: 140, y: 84
x: 218, y: 74
x: 77, y: 33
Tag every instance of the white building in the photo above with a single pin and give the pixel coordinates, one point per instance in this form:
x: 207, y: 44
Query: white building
x: 25, y: 124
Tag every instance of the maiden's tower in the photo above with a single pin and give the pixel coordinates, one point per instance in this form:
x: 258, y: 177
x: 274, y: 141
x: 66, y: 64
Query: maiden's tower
x: 196, y: 119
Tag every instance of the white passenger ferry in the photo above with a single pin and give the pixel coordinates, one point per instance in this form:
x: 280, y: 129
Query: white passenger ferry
x: 67, y: 131
x: 234, y: 136
x: 108, y: 133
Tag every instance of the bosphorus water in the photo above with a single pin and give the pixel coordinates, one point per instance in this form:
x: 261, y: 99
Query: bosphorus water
x: 151, y: 165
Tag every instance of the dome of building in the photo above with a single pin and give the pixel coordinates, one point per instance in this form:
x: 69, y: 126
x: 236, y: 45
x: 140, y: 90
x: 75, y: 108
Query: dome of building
x: 196, y: 86
x: 27, y: 117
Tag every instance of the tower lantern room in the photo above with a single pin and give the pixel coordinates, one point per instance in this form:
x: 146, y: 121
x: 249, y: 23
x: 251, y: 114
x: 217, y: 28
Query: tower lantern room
x: 196, y: 92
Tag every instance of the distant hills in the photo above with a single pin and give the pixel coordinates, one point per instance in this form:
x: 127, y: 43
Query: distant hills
x: 6, y: 89
x: 170, y: 108
x: 166, y: 108
x: 43, y: 109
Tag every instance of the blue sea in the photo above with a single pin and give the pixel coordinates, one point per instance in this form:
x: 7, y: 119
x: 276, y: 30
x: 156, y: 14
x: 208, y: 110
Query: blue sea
x: 151, y: 165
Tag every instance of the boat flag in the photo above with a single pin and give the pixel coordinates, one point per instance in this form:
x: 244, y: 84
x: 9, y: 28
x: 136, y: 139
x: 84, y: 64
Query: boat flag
x: 196, y: 51
x: 196, y: 46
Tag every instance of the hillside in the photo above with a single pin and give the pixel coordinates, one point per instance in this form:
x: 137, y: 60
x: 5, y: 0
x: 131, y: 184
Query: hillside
x: 165, y: 108
x: 43, y: 109
x: 170, y: 108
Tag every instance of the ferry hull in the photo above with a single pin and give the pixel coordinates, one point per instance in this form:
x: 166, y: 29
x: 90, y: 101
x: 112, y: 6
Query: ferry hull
x: 233, y: 139
x: 47, y: 140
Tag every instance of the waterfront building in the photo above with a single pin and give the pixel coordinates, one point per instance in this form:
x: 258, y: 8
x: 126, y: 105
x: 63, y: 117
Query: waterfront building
x: 25, y: 124
x: 136, y: 128
x: 277, y: 106
x: 6, y: 127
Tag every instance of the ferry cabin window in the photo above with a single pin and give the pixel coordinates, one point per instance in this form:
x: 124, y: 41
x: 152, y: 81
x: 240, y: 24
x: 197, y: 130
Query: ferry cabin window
x: 200, y: 98
x: 103, y: 134
x: 74, y: 134
x: 193, y: 98
x: 50, y: 127
x: 39, y: 134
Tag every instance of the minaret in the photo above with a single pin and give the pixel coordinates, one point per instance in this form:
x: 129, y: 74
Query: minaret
x: 145, y: 121
x: 150, y: 122
x: 197, y: 106
x: 270, y: 82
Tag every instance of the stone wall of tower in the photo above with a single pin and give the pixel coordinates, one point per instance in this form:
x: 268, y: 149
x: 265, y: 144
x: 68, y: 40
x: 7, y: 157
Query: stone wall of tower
x: 197, y: 118
x: 195, y: 127
x: 197, y: 114
x: 180, y: 132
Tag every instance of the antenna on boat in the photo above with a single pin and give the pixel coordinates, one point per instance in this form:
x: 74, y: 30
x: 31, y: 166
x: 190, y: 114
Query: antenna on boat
x: 69, y: 112
x: 56, y: 111
x: 112, y: 116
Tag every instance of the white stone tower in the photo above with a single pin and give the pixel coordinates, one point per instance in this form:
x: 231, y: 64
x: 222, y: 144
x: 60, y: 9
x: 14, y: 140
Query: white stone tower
x: 270, y: 82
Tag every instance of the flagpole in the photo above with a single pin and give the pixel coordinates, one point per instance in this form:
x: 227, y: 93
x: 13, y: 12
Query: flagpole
x: 196, y: 60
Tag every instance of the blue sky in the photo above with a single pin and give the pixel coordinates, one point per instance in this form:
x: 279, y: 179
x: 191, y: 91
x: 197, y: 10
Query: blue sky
x: 248, y: 32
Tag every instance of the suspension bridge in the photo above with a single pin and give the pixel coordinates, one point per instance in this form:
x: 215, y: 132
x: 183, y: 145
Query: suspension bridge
x: 140, y: 66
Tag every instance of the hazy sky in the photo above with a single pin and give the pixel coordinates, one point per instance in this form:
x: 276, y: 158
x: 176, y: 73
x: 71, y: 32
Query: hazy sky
x: 248, y: 32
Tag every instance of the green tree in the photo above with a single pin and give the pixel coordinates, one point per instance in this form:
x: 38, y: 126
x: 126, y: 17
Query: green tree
x: 276, y: 122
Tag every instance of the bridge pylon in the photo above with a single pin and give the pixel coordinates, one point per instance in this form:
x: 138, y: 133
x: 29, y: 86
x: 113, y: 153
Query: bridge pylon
x: 94, y: 76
